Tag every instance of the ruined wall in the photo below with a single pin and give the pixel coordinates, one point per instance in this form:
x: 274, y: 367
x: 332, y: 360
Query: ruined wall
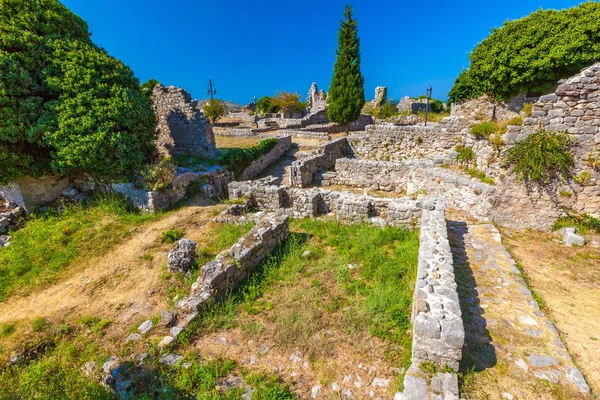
x: 302, y: 171
x: 283, y: 144
x: 484, y: 109
x: 438, y: 330
x: 182, y: 129
x: 389, y: 142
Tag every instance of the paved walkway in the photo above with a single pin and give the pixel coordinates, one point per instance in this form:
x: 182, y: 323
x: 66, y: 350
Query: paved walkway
x: 511, y: 348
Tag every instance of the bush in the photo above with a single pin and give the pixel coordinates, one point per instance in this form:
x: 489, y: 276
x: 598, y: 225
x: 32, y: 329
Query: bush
x: 532, y: 53
x: 288, y: 102
x: 436, y: 106
x: 484, y: 129
x: 385, y: 111
x: 66, y: 106
x: 583, y: 222
x: 527, y: 109
x: 265, y: 105
x: 160, y: 175
x: 237, y: 160
x: 466, y: 156
x: 541, y: 157
x: 214, y: 110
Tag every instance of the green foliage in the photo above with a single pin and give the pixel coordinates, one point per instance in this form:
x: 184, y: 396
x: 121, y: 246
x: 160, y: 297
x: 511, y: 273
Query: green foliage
x: 346, y: 93
x: 51, y: 242
x: 149, y: 86
x: 517, y: 120
x: 532, y: 53
x: 214, y: 110
x: 385, y: 111
x: 7, y: 330
x: 237, y: 160
x: 583, y: 222
x: 583, y: 177
x: 484, y: 129
x: 436, y: 106
x: 39, y: 324
x: 466, y: 156
x: 476, y: 173
x: 159, y: 176
x: 172, y: 235
x: 265, y: 105
x: 65, y: 104
x: 288, y: 102
x: 527, y: 109
x: 541, y: 156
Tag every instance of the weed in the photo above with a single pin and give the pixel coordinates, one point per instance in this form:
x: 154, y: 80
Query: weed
x: 419, y: 140
x: 496, y: 142
x: 172, y: 235
x: 527, y: 109
x: 159, y: 176
x: 541, y: 156
x: 583, y: 222
x: 484, y: 129
x: 466, y: 156
x: 7, y: 330
x: 477, y: 173
x: 564, y: 193
x: 583, y: 177
x: 39, y: 324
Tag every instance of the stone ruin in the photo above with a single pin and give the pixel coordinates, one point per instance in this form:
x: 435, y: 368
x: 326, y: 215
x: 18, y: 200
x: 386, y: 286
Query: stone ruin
x: 380, y: 96
x: 316, y: 99
x: 182, y: 129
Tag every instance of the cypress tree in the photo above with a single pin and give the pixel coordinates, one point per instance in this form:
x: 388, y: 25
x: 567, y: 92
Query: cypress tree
x: 346, y: 93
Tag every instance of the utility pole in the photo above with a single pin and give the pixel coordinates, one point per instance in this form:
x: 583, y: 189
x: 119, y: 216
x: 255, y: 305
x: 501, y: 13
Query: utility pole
x: 211, y: 90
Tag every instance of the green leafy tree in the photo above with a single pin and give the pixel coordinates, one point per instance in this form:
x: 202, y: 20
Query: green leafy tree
x: 532, y: 53
x: 288, y: 102
x: 346, y: 93
x: 66, y: 106
x: 265, y: 105
x: 214, y: 110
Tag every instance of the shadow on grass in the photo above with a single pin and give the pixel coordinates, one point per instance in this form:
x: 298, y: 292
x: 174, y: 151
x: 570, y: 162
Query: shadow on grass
x: 478, y: 352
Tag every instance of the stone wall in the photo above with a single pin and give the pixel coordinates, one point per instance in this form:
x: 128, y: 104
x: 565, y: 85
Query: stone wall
x: 389, y: 142
x: 182, y: 129
x: 29, y: 192
x: 345, y: 206
x: 309, y: 134
x: 484, y: 109
x: 220, y: 276
x: 283, y: 144
x: 438, y: 331
x: 302, y: 171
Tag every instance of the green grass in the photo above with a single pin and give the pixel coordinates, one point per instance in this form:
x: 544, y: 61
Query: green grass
x: 584, y: 223
x: 376, y: 297
x: 172, y: 235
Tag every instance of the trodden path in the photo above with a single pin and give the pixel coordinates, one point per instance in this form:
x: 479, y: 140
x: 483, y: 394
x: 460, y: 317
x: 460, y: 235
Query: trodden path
x: 512, y: 350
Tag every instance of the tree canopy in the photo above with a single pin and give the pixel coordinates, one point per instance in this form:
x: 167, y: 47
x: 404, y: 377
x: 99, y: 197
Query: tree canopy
x: 214, y: 109
x: 532, y: 53
x: 346, y: 92
x: 288, y: 102
x: 66, y: 105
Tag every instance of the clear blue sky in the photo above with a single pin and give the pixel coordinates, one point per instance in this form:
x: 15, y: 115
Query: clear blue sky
x: 254, y: 48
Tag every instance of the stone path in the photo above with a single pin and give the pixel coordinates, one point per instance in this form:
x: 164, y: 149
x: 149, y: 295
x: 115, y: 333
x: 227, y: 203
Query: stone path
x: 279, y: 169
x: 511, y: 348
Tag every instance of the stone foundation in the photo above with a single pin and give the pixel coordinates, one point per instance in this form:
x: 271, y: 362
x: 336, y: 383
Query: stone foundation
x: 302, y: 171
x: 284, y: 143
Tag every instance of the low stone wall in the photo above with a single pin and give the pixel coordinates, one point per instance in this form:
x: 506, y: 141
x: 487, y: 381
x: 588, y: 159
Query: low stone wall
x: 236, y: 132
x: 389, y: 142
x: 345, y: 206
x: 438, y: 331
x: 302, y: 171
x: 307, y: 134
x: 283, y: 144
x: 29, y: 192
x: 461, y: 192
x: 229, y: 268
x: 359, y: 125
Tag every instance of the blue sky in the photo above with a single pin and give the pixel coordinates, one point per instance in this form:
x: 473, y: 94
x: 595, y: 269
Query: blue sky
x: 255, y: 48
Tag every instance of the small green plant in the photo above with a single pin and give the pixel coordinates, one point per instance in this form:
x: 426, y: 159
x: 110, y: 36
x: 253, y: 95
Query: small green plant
x: 496, y: 142
x: 565, y: 193
x: 160, y: 175
x: 476, y: 173
x: 541, y: 157
x: 172, y: 235
x: 7, y: 330
x: 484, y: 129
x: 527, y: 109
x: 466, y: 156
x: 419, y: 140
x: 428, y: 367
x: 517, y: 120
x: 583, y: 177
x: 39, y: 324
x: 583, y: 222
x: 388, y: 110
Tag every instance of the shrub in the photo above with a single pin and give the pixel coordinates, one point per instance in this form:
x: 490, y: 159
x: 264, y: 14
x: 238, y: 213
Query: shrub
x: 288, y: 102
x: 436, y: 106
x: 39, y: 324
x: 265, y: 105
x: 527, y: 109
x: 7, y: 330
x: 517, y: 120
x: 385, y: 111
x: 477, y: 173
x: 466, y: 156
x: 532, y: 53
x: 496, y: 142
x: 66, y: 105
x: 172, y: 235
x: 583, y: 222
x: 484, y: 129
x: 214, y: 110
x: 237, y: 160
x: 541, y: 156
x: 583, y: 177
x: 160, y: 175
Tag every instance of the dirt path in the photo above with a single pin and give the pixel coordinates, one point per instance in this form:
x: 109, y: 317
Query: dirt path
x: 568, y: 280
x: 511, y: 349
x: 120, y: 285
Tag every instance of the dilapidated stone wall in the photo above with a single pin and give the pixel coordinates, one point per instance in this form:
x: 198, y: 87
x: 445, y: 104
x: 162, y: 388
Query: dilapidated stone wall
x: 182, y: 129
x: 302, y: 171
x: 484, y: 108
x: 283, y: 144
